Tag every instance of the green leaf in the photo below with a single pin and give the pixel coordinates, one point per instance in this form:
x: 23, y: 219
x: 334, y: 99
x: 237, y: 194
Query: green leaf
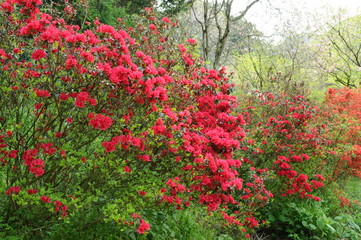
x: 353, y: 224
x: 312, y: 226
x: 331, y: 228
x: 320, y: 223
x: 304, y: 223
x: 271, y: 218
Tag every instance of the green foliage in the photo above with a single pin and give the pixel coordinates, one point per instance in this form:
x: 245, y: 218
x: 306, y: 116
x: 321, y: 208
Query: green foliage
x: 173, y: 7
x: 311, y: 220
x: 107, y: 12
x: 79, y: 12
x: 271, y: 68
x: 166, y: 224
x: 179, y: 225
x: 353, y: 188
x: 132, y: 7
x: 340, y: 52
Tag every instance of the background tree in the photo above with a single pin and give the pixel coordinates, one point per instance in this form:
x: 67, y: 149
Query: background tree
x: 172, y: 7
x: 215, y: 20
x: 281, y: 67
x: 341, y: 57
x: 107, y: 11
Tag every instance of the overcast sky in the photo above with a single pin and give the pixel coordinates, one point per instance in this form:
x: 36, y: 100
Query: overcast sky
x: 298, y: 13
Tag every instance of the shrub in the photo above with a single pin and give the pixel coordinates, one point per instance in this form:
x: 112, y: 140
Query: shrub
x: 286, y: 138
x: 102, y: 129
x: 104, y: 123
x: 299, y: 148
x: 346, y: 102
x: 310, y: 220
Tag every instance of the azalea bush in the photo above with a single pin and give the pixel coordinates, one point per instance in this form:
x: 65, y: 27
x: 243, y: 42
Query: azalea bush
x: 286, y: 139
x: 104, y: 124
x: 300, y: 148
x: 104, y: 129
x: 346, y: 103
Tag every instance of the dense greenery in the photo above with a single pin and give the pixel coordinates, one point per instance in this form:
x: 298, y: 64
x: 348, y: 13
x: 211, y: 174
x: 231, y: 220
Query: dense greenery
x: 120, y: 132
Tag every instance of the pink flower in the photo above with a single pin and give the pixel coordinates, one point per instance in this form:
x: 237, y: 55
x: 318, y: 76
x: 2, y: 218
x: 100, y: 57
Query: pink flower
x: 45, y: 199
x: 11, y: 190
x: 192, y: 41
x: 152, y: 27
x: 317, y: 199
x: 58, y: 203
x: 145, y: 158
x: 38, y: 106
x: 166, y: 20
x: 127, y: 169
x: 159, y: 128
x: 320, y: 177
x: 144, y: 226
x: 302, y: 178
x: 142, y: 193
x: 110, y: 146
x: 41, y: 93
x: 32, y: 191
x: 70, y: 62
x: 38, y: 54
x: 87, y: 56
x: 100, y: 121
x: 81, y: 99
x: 63, y: 96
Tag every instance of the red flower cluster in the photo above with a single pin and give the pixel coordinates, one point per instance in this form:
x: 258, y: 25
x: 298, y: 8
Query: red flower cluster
x: 35, y: 165
x: 143, y: 226
x: 41, y: 93
x: 12, y: 190
x: 166, y: 123
x: 82, y: 98
x: 38, y: 54
x: 100, y: 121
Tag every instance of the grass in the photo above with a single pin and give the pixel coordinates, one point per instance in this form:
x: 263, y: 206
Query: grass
x: 353, y: 188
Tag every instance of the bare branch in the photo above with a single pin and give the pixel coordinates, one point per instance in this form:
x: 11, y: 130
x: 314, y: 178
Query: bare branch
x: 244, y: 12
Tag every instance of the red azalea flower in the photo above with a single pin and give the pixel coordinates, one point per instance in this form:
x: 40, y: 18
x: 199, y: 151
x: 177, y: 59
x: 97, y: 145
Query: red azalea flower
x: 32, y: 191
x: 143, y: 227
x: 38, y: 54
x: 127, y: 169
x: 100, y: 121
x: 45, y: 199
x: 41, y: 93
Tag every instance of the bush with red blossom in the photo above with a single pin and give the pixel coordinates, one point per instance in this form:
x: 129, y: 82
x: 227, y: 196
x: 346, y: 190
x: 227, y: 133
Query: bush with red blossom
x: 103, y: 124
x: 112, y: 120
x: 346, y: 103
x: 301, y: 149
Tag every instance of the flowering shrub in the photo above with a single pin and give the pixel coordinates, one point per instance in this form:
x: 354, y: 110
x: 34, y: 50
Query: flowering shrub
x: 298, y: 149
x: 106, y: 123
x: 286, y: 140
x: 112, y: 120
x: 346, y: 103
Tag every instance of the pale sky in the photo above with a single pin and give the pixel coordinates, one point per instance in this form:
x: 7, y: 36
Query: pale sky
x: 297, y: 13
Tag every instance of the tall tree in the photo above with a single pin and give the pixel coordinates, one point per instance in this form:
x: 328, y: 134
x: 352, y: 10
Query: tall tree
x: 216, y: 13
x: 172, y: 7
x: 342, y: 51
